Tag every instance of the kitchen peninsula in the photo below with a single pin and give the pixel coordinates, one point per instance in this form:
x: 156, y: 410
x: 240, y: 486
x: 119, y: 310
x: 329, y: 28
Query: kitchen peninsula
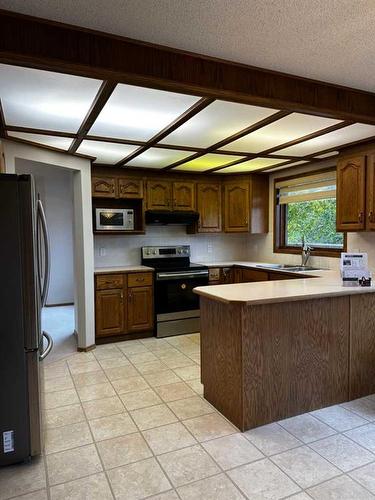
x: 275, y: 349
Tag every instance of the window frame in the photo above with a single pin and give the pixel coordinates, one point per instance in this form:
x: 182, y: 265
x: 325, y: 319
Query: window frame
x: 279, y: 224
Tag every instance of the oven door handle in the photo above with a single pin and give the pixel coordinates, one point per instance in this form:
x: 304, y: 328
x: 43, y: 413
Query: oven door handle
x: 177, y: 276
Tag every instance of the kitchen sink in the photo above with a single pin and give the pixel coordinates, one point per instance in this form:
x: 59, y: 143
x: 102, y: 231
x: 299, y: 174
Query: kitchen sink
x: 288, y: 267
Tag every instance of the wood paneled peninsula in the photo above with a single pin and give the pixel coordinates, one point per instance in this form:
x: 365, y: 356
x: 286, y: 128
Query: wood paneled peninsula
x: 275, y: 349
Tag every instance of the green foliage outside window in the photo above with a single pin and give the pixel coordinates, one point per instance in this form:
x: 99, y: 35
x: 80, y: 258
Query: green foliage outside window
x: 316, y: 220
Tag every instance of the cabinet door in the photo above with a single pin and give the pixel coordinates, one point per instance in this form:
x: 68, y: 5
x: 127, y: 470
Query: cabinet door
x: 184, y: 195
x: 350, y: 211
x: 370, y: 193
x: 140, y: 309
x: 130, y: 188
x: 159, y: 195
x: 209, y: 207
x: 103, y: 187
x: 236, y: 207
x: 109, y: 312
x: 249, y: 275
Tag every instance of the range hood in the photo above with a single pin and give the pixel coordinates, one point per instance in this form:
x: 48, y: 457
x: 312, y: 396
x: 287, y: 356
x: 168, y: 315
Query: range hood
x: 176, y: 217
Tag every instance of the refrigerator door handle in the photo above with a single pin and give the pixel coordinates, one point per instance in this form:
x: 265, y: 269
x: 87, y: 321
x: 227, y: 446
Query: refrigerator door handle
x: 49, y: 346
x: 42, y: 223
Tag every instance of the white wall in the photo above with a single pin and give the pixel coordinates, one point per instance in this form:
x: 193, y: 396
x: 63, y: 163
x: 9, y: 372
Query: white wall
x: 83, y: 235
x: 55, y: 186
x: 125, y: 249
x: 260, y: 247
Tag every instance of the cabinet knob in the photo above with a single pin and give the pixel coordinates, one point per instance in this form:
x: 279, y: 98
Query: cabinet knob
x: 370, y: 216
x: 140, y: 279
x: 360, y: 217
x: 130, y: 296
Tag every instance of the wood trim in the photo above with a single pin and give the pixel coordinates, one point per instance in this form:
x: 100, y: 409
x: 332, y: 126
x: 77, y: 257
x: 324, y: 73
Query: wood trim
x: 40, y: 131
x: 279, y: 245
x: 62, y: 304
x: 86, y: 349
x: 189, y: 113
x: 53, y: 46
x: 104, y: 93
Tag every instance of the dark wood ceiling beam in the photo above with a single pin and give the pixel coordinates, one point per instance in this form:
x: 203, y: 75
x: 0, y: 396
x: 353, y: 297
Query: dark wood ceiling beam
x: 29, y: 130
x: 53, y: 46
x: 102, y: 96
x: 307, y: 137
x: 180, y: 120
x: 238, y: 135
x: 50, y: 148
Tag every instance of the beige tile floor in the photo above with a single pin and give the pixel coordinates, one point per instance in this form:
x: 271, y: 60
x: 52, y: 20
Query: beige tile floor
x: 128, y: 421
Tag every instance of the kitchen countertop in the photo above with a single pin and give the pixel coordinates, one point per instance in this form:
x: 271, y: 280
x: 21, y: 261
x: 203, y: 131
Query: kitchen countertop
x: 325, y: 283
x: 122, y: 269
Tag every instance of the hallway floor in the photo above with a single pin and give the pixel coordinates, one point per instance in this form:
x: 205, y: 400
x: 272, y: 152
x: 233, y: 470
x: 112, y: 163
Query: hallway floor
x: 59, y: 323
x: 128, y: 421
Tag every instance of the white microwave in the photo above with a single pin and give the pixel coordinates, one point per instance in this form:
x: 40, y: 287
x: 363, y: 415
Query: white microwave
x: 114, y: 219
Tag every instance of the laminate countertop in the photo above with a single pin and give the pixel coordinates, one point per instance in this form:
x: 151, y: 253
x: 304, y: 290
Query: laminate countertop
x: 321, y: 283
x: 122, y: 269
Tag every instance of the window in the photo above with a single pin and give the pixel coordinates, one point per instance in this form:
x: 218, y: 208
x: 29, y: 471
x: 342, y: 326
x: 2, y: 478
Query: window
x: 306, y: 208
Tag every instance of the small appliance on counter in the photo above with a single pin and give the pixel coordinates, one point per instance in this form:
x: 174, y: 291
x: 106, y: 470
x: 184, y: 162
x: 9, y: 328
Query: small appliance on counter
x: 114, y: 219
x: 176, y: 305
x: 24, y: 271
x: 354, y: 269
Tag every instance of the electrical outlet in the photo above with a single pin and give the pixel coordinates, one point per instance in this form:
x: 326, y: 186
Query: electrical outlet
x: 102, y: 252
x: 209, y: 248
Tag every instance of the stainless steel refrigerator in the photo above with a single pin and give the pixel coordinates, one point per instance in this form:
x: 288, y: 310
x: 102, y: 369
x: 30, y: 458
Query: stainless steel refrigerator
x: 24, y: 279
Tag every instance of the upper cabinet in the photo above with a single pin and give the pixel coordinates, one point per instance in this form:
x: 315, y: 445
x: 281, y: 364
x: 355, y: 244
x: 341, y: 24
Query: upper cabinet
x: 159, y: 194
x: 104, y: 187
x: 236, y: 206
x: 209, y: 206
x: 110, y: 187
x: 370, y: 192
x: 167, y: 195
x: 353, y: 210
x: 130, y: 188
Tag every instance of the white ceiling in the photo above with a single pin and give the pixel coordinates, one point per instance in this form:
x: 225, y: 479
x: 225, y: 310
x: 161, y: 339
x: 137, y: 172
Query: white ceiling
x: 328, y: 40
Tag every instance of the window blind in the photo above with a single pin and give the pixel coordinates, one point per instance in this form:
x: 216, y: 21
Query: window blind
x: 307, y: 188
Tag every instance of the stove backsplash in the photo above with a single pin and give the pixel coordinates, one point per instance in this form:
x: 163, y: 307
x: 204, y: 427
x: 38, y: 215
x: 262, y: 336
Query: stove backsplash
x: 125, y: 249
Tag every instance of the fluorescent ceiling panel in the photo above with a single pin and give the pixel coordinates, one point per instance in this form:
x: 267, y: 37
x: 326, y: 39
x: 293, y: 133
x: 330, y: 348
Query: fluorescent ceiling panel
x: 158, y: 158
x: 281, y: 131
x: 105, y: 152
x: 41, y: 99
x: 206, y: 162
x: 216, y: 122
x: 345, y: 135
x: 251, y: 165
x: 327, y: 155
x: 45, y: 140
x: 139, y: 113
x: 295, y: 164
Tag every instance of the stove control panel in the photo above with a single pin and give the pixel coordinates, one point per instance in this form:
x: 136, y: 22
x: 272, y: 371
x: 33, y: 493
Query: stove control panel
x: 166, y: 252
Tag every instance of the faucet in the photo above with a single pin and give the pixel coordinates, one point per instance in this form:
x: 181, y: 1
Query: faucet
x: 306, y: 251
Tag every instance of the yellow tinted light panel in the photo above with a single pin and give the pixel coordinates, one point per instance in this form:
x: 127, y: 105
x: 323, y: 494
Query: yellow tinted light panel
x: 339, y: 137
x: 206, y: 162
x: 295, y: 164
x: 251, y: 165
x: 158, y: 158
x: 45, y: 100
x: 216, y: 122
x: 105, y: 152
x: 45, y: 140
x: 139, y: 113
x: 281, y: 131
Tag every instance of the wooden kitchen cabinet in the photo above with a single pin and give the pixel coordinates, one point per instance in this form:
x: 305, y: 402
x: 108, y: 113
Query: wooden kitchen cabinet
x: 209, y: 206
x: 103, y: 187
x: 110, y: 312
x: 140, y: 309
x: 183, y: 195
x: 370, y: 193
x: 351, y: 194
x: 123, y: 305
x: 159, y: 195
x: 236, y: 206
x: 130, y: 188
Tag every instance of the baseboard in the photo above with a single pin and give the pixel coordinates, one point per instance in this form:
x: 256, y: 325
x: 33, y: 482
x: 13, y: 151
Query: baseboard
x: 86, y: 349
x: 60, y: 305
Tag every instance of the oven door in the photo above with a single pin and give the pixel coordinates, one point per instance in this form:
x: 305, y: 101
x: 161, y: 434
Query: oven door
x: 174, y: 291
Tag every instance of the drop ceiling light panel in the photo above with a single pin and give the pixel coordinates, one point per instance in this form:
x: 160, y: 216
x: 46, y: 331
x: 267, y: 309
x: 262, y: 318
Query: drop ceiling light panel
x: 158, y: 158
x: 281, y: 131
x: 251, y: 165
x: 296, y: 164
x: 206, y: 162
x: 45, y: 100
x: 345, y: 135
x: 105, y: 152
x: 216, y: 122
x: 327, y: 155
x: 45, y: 140
x: 138, y: 113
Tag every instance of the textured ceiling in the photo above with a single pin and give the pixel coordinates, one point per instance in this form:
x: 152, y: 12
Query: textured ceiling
x: 329, y: 40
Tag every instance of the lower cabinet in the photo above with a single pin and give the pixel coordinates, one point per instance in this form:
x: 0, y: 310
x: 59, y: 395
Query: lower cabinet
x: 123, y: 304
